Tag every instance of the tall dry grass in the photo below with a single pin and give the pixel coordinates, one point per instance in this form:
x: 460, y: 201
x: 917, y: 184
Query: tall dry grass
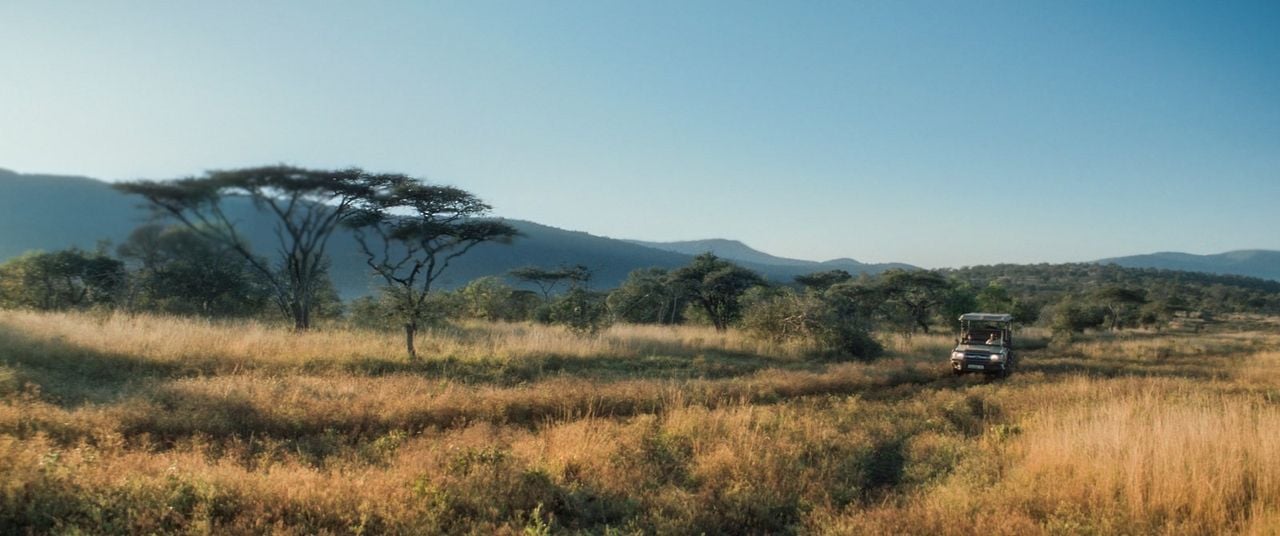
x: 246, y: 344
x: 1148, y: 464
x: 1097, y: 455
x: 119, y: 424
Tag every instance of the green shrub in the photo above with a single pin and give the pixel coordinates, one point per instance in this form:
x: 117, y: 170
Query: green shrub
x: 581, y: 311
x: 1070, y: 316
x: 382, y: 312
x: 783, y: 315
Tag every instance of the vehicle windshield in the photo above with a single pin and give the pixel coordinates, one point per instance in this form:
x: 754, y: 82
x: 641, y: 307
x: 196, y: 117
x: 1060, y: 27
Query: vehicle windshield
x: 983, y: 333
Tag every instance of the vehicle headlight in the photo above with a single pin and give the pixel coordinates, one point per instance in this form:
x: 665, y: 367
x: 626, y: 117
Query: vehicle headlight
x: 957, y: 355
x: 995, y: 357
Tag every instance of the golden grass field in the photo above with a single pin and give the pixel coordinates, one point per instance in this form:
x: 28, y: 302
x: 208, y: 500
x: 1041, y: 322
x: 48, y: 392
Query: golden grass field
x: 141, y: 424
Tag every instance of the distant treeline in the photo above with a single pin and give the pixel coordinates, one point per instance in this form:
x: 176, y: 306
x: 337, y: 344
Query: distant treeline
x: 174, y: 270
x: 1162, y: 289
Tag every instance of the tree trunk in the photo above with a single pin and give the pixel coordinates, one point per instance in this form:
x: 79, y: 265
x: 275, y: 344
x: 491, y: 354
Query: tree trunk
x: 301, y: 316
x: 717, y: 319
x: 410, y: 328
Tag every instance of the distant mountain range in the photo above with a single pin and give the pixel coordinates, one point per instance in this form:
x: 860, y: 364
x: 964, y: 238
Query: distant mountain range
x: 49, y: 212
x: 1260, y: 263
x: 733, y: 249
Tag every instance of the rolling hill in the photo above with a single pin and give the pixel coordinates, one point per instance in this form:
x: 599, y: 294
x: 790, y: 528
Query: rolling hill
x: 739, y: 252
x: 1260, y: 263
x: 47, y: 212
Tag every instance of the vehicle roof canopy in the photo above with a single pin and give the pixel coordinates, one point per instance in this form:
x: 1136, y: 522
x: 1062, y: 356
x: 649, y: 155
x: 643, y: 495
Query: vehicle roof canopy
x: 986, y: 317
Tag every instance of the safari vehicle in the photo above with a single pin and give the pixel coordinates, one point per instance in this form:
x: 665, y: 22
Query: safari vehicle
x: 985, y: 345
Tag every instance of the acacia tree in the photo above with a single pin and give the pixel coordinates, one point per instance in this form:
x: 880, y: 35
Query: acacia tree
x: 307, y: 206
x: 409, y: 232
x: 823, y: 280
x: 914, y: 296
x: 1118, y: 300
x: 548, y: 279
x: 715, y: 285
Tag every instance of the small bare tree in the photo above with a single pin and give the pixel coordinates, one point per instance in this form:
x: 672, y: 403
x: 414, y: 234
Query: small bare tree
x: 409, y: 232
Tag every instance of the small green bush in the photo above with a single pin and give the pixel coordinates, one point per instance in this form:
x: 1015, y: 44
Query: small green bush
x: 581, y: 311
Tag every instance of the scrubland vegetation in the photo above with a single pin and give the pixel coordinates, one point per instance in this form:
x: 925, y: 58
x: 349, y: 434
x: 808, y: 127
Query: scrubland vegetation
x: 119, y: 423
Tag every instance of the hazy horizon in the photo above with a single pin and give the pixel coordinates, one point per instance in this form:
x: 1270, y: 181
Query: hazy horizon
x: 931, y: 134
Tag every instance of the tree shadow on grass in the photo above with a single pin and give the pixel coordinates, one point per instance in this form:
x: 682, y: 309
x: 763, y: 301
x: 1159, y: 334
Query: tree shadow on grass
x: 1054, y: 367
x: 508, y: 372
x: 70, y: 375
x: 1199, y: 369
x: 884, y: 467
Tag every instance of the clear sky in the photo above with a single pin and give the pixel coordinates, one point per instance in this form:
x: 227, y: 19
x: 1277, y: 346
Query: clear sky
x: 937, y: 133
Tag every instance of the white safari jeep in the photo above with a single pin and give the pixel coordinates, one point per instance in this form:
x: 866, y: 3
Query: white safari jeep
x: 985, y: 345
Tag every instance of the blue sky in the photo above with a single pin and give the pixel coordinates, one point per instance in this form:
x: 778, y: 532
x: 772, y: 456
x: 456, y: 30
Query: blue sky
x: 936, y: 133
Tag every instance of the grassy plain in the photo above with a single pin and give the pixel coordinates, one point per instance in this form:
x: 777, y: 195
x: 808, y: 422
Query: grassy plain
x: 141, y: 424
